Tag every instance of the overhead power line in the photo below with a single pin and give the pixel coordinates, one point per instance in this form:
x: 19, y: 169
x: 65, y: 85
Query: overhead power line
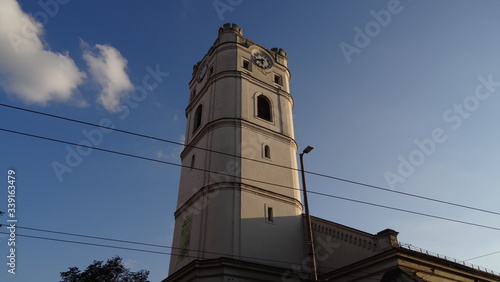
x: 494, y: 253
x: 254, y: 180
x: 141, y: 250
x: 406, y: 211
x: 404, y: 193
x: 259, y: 259
x: 256, y: 160
x: 90, y: 244
x: 164, y: 253
x: 154, y: 245
x: 137, y: 243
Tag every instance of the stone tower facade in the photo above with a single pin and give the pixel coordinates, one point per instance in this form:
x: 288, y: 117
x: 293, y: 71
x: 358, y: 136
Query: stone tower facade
x: 239, y: 195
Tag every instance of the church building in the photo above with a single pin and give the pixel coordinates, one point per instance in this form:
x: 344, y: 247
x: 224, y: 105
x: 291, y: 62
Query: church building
x: 239, y: 214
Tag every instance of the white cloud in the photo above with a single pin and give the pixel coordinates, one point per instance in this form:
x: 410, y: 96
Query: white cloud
x: 107, y: 67
x: 130, y: 263
x: 162, y: 156
x: 172, y: 156
x: 28, y: 69
x: 175, y: 152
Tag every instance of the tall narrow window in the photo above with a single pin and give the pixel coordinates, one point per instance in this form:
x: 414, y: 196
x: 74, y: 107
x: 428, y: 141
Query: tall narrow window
x: 263, y: 108
x: 267, y: 152
x: 270, y: 216
x: 197, y: 118
x: 192, y: 161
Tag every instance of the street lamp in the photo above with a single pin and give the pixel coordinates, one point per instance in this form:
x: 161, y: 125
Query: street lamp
x: 310, y: 239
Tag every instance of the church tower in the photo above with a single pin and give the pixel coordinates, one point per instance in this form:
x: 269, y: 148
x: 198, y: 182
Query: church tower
x: 239, y: 199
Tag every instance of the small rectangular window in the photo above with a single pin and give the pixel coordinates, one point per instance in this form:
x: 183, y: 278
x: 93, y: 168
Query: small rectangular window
x: 270, y: 216
x: 246, y: 64
x: 277, y: 79
x: 192, y: 161
x: 211, y: 71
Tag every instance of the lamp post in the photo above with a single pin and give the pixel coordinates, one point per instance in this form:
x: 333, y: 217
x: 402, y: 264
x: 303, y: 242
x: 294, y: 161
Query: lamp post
x: 310, y: 239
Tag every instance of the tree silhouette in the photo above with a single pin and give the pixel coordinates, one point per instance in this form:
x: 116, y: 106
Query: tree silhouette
x: 111, y: 271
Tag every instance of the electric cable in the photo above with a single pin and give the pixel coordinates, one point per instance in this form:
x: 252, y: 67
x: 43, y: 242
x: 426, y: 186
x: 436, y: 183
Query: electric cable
x: 138, y: 243
x: 159, y: 246
x: 255, y: 160
x: 249, y: 179
x: 151, y: 251
x: 494, y: 253
x: 156, y: 245
x: 143, y: 250
x: 86, y: 243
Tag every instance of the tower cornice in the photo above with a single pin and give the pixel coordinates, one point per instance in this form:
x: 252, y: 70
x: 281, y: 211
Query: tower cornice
x: 220, y: 186
x: 236, y: 122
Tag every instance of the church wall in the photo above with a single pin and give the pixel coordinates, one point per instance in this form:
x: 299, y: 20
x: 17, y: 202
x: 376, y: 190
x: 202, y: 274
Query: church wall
x: 337, y: 245
x: 210, y: 167
x: 213, y: 227
x: 278, y: 241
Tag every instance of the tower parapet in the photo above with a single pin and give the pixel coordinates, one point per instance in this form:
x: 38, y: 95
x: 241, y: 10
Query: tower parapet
x: 231, y: 27
x: 230, y: 33
x: 280, y: 56
x: 233, y: 33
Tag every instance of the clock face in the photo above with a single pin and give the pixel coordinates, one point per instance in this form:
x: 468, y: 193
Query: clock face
x: 262, y: 60
x: 202, y: 72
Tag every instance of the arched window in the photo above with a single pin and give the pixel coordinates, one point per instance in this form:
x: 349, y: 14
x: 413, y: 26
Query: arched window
x: 267, y: 152
x: 197, y: 118
x: 264, y: 108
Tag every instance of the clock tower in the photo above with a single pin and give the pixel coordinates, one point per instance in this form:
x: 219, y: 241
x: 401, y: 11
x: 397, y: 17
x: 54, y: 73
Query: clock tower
x: 238, y: 206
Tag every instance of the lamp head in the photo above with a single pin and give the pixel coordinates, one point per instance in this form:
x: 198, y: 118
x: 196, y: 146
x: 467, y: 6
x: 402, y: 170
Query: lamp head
x: 308, y: 149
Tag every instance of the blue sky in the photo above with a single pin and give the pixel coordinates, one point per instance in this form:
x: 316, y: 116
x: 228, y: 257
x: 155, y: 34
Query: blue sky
x: 409, y: 105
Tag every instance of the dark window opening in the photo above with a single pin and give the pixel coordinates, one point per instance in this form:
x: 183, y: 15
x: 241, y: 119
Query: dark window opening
x: 267, y: 152
x: 270, y: 216
x: 246, y: 64
x: 192, y: 161
x: 197, y: 118
x: 263, y: 108
x: 277, y: 79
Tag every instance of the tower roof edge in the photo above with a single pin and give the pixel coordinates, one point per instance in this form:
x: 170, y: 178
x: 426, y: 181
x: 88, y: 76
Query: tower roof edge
x: 231, y: 27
